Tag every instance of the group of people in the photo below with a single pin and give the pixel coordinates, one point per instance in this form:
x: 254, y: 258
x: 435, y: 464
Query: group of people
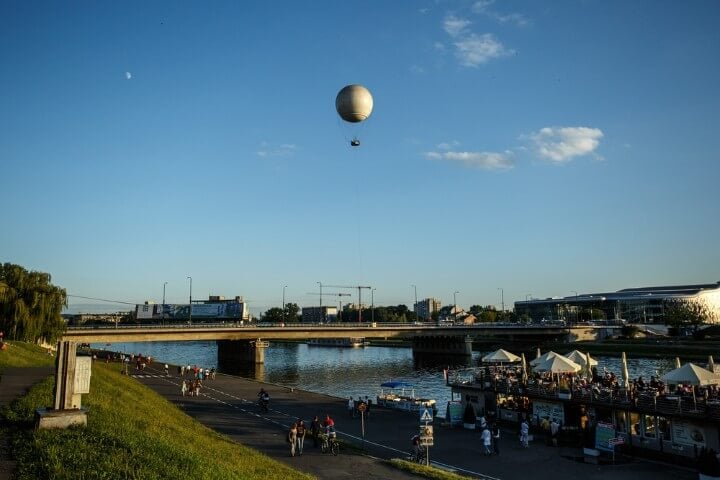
x: 191, y: 387
x: 490, y: 437
x: 355, y: 409
x: 298, y: 430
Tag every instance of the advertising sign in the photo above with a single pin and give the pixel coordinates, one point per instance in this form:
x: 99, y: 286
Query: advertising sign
x: 605, y: 436
x: 553, y: 411
x: 426, y: 436
x: 687, y: 433
x: 454, y: 413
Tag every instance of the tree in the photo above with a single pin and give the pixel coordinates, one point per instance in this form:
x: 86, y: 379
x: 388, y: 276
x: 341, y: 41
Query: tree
x: 273, y: 315
x: 685, y: 313
x: 30, y: 304
x: 291, y: 312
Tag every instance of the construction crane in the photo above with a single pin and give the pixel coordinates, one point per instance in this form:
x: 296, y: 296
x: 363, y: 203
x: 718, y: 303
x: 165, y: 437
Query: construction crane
x: 359, y: 289
x: 330, y: 295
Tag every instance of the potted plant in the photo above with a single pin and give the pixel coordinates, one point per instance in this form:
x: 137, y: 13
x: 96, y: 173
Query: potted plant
x: 469, y: 417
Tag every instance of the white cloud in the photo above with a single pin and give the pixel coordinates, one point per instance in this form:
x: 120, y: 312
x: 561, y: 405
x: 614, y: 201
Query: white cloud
x: 268, y: 150
x: 455, y: 26
x: 448, y: 145
x: 474, y: 50
x: 482, y: 7
x: 562, y: 144
x: 483, y: 160
x: 128, y: 75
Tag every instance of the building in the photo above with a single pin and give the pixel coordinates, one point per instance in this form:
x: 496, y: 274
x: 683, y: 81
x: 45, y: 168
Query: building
x: 319, y: 314
x: 635, y: 305
x: 424, y: 309
x: 214, y: 308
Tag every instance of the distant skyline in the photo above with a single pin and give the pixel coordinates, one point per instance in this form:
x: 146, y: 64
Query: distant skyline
x: 541, y: 148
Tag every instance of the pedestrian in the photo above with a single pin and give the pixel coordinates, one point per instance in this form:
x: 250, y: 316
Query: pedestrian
x: 351, y: 407
x: 212, y: 373
x: 167, y: 370
x: 292, y: 438
x: 367, y: 407
x: 496, y: 438
x: 184, y: 388
x: 315, y: 430
x: 524, y: 431
x: 300, y: 436
x: 554, y: 430
x: 487, y: 441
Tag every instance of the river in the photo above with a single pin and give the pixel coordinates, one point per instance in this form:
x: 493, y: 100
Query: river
x: 344, y: 372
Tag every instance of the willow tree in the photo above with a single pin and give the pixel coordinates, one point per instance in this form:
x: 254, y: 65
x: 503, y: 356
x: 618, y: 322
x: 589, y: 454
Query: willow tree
x: 30, y: 304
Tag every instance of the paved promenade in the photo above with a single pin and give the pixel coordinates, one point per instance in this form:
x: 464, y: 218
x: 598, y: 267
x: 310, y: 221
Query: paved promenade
x: 228, y: 405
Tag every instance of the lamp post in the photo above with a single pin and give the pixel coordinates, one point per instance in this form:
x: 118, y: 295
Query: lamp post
x: 372, y: 305
x: 163, y: 303
x: 502, y: 299
x: 455, y: 303
x: 283, y: 304
x: 576, y: 305
x: 190, y: 311
x: 322, y: 316
x: 415, y: 307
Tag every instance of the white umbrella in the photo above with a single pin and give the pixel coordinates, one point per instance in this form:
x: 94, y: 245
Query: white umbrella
x: 692, y: 375
x: 625, y: 374
x: 588, y: 366
x: 542, y: 358
x: 537, y: 353
x: 524, y: 368
x: 711, y: 364
x: 558, y: 364
x: 677, y: 362
x: 578, y: 357
x: 501, y: 356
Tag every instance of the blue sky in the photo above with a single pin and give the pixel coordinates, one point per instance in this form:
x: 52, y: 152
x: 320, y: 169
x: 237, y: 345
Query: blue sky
x: 538, y: 147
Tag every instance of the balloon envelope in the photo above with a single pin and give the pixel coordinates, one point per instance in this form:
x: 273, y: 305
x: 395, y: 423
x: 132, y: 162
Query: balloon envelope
x: 354, y: 103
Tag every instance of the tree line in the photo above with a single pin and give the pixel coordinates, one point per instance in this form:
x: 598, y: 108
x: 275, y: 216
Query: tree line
x: 30, y: 305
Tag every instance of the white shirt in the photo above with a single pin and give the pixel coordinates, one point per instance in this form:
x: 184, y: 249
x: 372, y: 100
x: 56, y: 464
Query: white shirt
x: 486, y: 438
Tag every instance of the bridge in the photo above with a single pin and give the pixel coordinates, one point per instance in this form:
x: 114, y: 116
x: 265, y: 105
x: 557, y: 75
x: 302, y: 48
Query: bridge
x: 247, y: 343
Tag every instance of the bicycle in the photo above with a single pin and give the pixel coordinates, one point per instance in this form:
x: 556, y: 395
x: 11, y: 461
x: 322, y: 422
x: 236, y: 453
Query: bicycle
x: 417, y: 455
x: 329, y: 444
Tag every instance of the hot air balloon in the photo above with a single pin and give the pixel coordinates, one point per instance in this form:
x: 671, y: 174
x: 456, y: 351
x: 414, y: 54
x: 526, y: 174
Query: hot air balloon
x: 354, y: 104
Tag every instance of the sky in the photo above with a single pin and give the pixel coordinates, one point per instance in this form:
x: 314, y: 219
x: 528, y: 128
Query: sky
x: 516, y: 149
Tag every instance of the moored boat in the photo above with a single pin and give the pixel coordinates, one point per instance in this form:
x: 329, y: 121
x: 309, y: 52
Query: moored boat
x: 338, y: 342
x: 401, y: 396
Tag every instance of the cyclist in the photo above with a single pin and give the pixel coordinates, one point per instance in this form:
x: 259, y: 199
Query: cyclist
x: 264, y: 399
x: 416, y: 451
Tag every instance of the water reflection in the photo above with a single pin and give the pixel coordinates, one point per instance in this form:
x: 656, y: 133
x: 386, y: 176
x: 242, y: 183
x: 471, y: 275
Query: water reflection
x: 344, y: 372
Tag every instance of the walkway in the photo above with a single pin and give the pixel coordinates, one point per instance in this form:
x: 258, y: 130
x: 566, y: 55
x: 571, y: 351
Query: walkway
x: 228, y: 405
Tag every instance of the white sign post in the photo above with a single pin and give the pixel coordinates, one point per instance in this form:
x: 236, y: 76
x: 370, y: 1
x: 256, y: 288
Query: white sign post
x: 426, y: 433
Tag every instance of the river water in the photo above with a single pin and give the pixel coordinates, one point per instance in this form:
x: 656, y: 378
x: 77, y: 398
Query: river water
x: 344, y: 372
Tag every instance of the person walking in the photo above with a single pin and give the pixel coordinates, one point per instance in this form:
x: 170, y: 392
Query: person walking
x: 487, y: 441
x: 184, y: 388
x: 351, y: 407
x: 496, y: 438
x: 292, y: 438
x: 300, y: 436
x: 524, y: 431
x: 315, y: 430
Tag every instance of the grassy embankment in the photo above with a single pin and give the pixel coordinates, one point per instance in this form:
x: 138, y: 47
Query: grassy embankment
x: 427, y: 472
x: 132, y: 433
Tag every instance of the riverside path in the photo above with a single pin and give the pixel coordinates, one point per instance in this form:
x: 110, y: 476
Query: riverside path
x: 228, y: 405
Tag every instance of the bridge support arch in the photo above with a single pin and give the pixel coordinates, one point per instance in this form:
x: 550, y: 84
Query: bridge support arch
x: 242, y: 351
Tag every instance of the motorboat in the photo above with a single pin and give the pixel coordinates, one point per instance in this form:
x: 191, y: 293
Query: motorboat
x: 400, y: 395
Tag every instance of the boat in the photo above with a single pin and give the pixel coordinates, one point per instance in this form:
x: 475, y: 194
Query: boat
x: 338, y: 342
x: 397, y: 398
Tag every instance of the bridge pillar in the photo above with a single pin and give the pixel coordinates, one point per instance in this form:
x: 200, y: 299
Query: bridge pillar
x: 242, y: 351
x: 445, y: 345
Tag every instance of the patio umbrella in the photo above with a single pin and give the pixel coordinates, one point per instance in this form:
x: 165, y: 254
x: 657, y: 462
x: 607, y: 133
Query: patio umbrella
x: 542, y: 358
x: 692, y: 375
x: 500, y: 356
x: 523, y: 364
x: 588, y: 366
x: 558, y: 364
x: 537, y: 353
x: 711, y: 364
x: 580, y: 358
x: 625, y: 374
x: 677, y: 362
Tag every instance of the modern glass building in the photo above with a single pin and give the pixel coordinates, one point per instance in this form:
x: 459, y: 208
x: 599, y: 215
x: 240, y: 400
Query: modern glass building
x: 636, y: 305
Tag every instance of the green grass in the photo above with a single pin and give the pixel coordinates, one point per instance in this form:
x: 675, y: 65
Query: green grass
x: 132, y: 433
x: 427, y: 472
x: 19, y: 354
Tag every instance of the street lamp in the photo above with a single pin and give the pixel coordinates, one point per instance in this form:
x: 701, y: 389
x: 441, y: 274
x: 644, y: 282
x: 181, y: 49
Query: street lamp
x: 455, y: 303
x: 163, y: 303
x: 283, y: 304
x: 322, y: 316
x: 576, y: 305
x: 502, y: 298
x: 415, y: 307
x: 190, y: 311
x: 372, y: 305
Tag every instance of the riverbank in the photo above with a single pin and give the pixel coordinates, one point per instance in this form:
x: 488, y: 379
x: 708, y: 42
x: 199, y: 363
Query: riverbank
x: 647, y: 348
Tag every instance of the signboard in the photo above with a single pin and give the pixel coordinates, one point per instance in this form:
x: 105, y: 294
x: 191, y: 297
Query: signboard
x: 454, y: 413
x: 362, y: 407
x: 426, y: 436
x: 83, y: 367
x: 553, y: 411
x: 687, y: 433
x: 426, y: 416
x: 605, y: 436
